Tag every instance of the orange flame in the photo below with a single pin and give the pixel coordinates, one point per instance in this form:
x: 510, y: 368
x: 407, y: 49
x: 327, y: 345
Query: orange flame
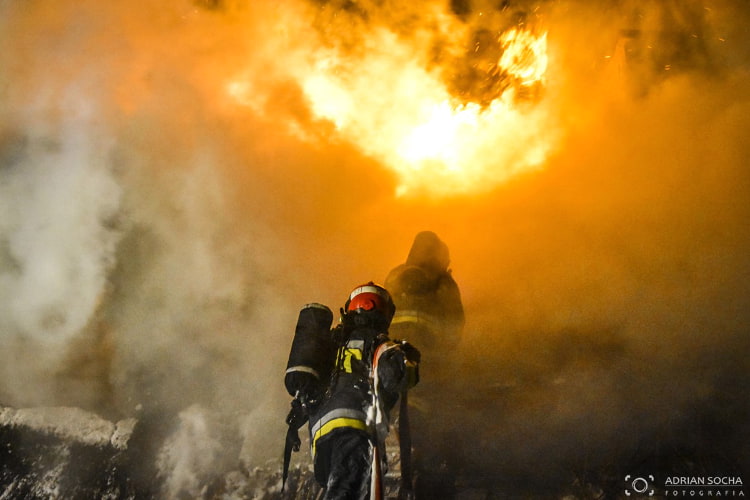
x: 524, y: 55
x: 399, y: 109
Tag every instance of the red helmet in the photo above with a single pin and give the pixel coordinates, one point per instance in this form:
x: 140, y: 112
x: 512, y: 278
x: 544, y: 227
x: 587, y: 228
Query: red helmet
x: 371, y: 297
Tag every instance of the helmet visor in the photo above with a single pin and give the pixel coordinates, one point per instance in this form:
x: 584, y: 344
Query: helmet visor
x: 367, y: 301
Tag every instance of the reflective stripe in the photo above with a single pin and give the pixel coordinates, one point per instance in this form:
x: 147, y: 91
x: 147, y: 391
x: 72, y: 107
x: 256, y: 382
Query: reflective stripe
x: 341, y: 417
x: 377, y: 416
x: 382, y: 348
x: 346, y: 355
x: 315, y: 305
x: 302, y: 368
x: 336, y: 423
x: 337, y: 413
x: 356, y: 344
x: 413, y: 317
x: 369, y: 289
x: 352, y: 349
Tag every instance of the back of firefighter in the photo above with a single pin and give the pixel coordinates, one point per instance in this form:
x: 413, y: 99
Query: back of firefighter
x: 427, y: 297
x: 348, y: 427
x: 430, y: 313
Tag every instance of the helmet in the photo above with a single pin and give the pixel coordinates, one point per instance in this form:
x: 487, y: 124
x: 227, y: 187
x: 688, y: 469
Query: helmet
x: 429, y: 252
x: 371, y: 298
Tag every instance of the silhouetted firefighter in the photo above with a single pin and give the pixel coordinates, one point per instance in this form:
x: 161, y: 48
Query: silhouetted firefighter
x: 345, y: 381
x: 430, y: 313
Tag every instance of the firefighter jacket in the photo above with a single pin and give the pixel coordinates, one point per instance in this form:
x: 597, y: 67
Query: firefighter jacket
x: 428, y: 302
x: 428, y: 308
x: 371, y: 371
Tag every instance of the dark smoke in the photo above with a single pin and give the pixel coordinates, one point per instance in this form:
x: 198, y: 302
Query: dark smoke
x: 157, y: 238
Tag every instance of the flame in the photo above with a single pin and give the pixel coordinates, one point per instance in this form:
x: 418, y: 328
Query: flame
x: 401, y: 109
x: 524, y: 55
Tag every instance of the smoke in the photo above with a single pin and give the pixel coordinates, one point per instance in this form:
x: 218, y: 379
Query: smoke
x: 60, y: 201
x: 129, y: 274
x: 614, y: 295
x: 160, y: 227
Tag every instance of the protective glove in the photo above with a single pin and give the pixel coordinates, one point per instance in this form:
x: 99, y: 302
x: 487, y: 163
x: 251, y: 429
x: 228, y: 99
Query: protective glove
x: 412, y: 353
x: 391, y: 370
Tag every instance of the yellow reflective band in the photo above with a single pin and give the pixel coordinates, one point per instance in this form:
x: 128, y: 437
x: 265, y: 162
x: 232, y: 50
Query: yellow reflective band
x: 335, y: 424
x: 409, y: 319
x: 346, y: 353
x: 411, y: 316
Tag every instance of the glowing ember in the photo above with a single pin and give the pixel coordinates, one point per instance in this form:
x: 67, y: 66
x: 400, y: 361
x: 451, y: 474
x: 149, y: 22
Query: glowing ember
x: 396, y: 107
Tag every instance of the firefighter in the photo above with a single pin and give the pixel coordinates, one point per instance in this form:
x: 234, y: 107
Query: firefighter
x: 427, y: 299
x: 349, y: 420
x: 430, y: 312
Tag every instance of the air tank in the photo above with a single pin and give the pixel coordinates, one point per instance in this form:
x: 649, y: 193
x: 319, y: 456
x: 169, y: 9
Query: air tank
x: 313, y: 351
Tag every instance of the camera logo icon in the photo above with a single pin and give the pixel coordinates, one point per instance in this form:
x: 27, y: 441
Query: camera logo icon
x: 639, y: 485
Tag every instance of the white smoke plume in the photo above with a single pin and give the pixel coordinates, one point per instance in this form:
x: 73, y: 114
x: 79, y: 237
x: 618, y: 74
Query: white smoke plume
x: 125, y: 278
x: 160, y: 228
x: 60, y: 202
